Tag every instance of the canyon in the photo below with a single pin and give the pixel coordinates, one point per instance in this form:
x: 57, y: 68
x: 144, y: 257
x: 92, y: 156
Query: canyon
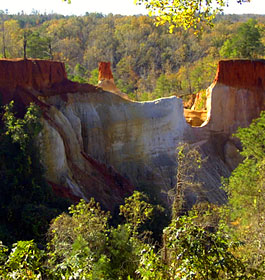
x: 97, y: 143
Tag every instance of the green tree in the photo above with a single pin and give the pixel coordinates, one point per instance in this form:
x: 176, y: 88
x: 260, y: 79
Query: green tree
x: 79, y: 74
x: 196, y: 246
x: 196, y: 251
x: 83, y: 246
x: 188, y: 164
x: 78, y: 240
x: 166, y: 85
x: 136, y: 211
x: 128, y: 78
x: 196, y: 76
x: 246, y: 189
x: 25, y: 261
x: 93, y: 77
x: 38, y: 46
x: 247, y: 181
x: 27, y: 203
x: 246, y: 43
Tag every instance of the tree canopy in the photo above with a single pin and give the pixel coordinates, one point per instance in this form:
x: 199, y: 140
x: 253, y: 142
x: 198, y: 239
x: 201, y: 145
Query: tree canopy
x: 185, y: 13
x: 246, y: 43
x: 147, y: 61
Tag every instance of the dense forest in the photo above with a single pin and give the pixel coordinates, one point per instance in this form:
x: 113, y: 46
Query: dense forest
x: 147, y: 61
x: 43, y: 240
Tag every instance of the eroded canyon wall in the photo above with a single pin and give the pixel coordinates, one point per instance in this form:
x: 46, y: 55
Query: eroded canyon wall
x: 96, y: 143
x: 237, y: 95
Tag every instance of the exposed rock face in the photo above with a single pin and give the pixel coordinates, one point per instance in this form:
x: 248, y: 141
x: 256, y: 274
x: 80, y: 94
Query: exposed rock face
x: 231, y: 155
x: 236, y: 96
x: 138, y: 139
x: 29, y: 74
x: 194, y: 117
x: 247, y: 74
x: 70, y: 171
x: 104, y: 71
x: 65, y: 159
x: 94, y: 142
x: 106, y: 81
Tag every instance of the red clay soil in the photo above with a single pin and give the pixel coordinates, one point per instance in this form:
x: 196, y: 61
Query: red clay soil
x: 111, y: 177
x: 62, y: 191
x: 37, y: 74
x: 45, y: 77
x: 104, y: 71
x: 246, y: 74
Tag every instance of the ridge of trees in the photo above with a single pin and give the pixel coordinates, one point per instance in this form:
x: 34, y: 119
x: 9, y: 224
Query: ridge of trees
x: 147, y: 61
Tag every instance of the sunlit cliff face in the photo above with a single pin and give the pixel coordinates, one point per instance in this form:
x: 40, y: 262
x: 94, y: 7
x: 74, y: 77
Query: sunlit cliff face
x: 106, y: 80
x: 96, y: 143
x: 235, y: 97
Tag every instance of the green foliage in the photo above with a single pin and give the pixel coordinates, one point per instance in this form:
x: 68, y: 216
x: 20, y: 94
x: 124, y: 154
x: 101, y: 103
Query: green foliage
x: 166, y: 85
x: 24, y: 262
x: 83, y: 245
x: 246, y: 43
x: 197, y: 76
x: 202, y: 104
x: 80, y: 74
x: 22, y: 131
x: 27, y: 202
x: 136, y: 211
x: 147, y: 61
x: 93, y: 77
x: 77, y: 239
x: 38, y: 46
x: 196, y: 246
x: 202, y: 73
x: 193, y: 251
x: 127, y: 77
x: 246, y: 185
x: 246, y: 193
x: 253, y: 139
x: 3, y: 255
x: 123, y: 251
x: 11, y: 37
x: 151, y: 265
